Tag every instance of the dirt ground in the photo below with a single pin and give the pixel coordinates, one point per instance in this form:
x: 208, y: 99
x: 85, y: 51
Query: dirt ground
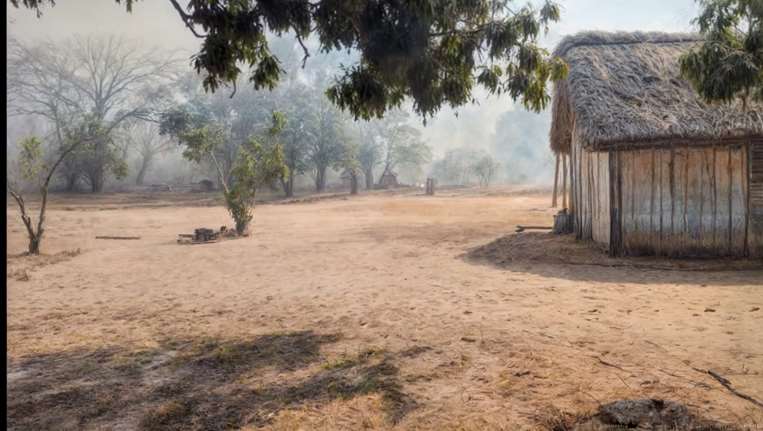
x: 378, y: 312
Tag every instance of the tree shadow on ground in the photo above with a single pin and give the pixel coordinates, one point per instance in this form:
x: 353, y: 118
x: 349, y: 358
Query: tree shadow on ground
x: 196, y: 384
x: 561, y: 256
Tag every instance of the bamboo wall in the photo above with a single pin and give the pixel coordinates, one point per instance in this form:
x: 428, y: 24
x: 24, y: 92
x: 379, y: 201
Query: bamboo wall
x: 590, y: 194
x: 679, y: 201
x: 755, y: 243
x: 684, y: 201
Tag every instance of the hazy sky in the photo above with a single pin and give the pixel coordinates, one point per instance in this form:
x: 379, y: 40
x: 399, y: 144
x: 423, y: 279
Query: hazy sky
x: 154, y: 22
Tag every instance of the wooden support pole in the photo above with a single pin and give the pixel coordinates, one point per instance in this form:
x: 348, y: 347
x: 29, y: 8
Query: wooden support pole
x: 556, y: 182
x: 564, y: 181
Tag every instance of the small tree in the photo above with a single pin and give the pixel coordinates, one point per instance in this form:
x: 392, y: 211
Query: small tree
x: 144, y: 138
x: 350, y: 164
x: 256, y: 164
x: 33, y: 168
x: 485, y: 169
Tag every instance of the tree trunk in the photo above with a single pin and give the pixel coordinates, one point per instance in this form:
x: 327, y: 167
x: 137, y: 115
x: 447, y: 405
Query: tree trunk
x: 320, y: 179
x: 288, y: 185
x: 96, y: 184
x: 354, y: 184
x: 34, y: 244
x: 142, y: 172
x: 71, y: 182
x: 369, y: 174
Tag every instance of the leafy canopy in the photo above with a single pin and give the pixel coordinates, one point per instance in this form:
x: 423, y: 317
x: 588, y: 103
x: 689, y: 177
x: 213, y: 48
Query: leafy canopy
x: 728, y: 66
x: 256, y: 163
x: 30, y: 160
x: 433, y: 51
x: 255, y: 166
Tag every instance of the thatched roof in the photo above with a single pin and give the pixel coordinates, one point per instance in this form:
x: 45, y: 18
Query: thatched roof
x: 625, y: 89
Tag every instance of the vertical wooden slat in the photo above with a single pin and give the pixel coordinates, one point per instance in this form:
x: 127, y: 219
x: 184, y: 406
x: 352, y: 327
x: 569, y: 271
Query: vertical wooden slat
x: 564, y: 181
x: 731, y: 201
x: 662, y: 210
x: 651, y: 195
x: 615, y: 204
x: 746, y: 190
x: 702, y: 164
x: 715, y: 198
x: 672, y: 179
x: 686, y: 235
x: 556, y: 182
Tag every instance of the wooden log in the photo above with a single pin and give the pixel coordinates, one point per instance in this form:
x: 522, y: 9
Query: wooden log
x: 118, y: 237
x: 521, y: 228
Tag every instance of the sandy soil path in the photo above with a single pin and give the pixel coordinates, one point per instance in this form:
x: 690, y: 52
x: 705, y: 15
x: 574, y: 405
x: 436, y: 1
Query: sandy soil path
x: 353, y: 313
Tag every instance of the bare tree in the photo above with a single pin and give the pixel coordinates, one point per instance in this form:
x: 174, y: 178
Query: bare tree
x: 485, y: 169
x: 35, y: 166
x: 106, y: 78
x: 143, y: 137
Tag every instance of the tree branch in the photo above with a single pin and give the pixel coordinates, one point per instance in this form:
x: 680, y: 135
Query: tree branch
x: 186, y: 19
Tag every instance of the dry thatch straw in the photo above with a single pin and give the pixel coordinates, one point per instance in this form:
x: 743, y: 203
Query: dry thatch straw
x: 625, y: 89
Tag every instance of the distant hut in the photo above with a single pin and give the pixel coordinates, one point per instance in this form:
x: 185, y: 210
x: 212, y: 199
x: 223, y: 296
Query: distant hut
x: 654, y: 169
x: 388, y: 180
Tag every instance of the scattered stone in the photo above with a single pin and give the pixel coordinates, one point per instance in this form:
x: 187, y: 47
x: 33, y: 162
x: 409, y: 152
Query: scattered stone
x: 709, y: 310
x: 468, y: 339
x: 754, y: 309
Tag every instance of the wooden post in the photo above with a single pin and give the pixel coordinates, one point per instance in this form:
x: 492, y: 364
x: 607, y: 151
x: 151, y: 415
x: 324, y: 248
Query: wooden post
x: 430, y: 187
x: 564, y: 181
x: 556, y: 181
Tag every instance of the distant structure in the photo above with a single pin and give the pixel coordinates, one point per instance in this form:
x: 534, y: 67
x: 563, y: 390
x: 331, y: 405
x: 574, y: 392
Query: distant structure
x: 203, y: 186
x: 652, y: 168
x: 430, y: 186
x: 388, y: 180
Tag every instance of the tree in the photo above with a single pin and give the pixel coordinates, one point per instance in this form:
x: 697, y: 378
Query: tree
x: 107, y: 79
x: 350, y: 164
x: 35, y: 166
x: 402, y: 144
x: 485, y: 169
x: 298, y: 134
x: 456, y: 166
x: 256, y: 164
x: 728, y: 65
x: 431, y: 51
x: 327, y: 146
x: 369, y: 152
x: 145, y: 139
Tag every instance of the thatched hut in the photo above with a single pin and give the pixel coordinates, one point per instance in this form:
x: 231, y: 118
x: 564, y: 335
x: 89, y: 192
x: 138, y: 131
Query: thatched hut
x: 654, y: 169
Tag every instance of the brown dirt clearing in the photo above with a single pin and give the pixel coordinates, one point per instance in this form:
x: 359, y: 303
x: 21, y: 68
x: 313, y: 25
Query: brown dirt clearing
x: 364, y: 312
